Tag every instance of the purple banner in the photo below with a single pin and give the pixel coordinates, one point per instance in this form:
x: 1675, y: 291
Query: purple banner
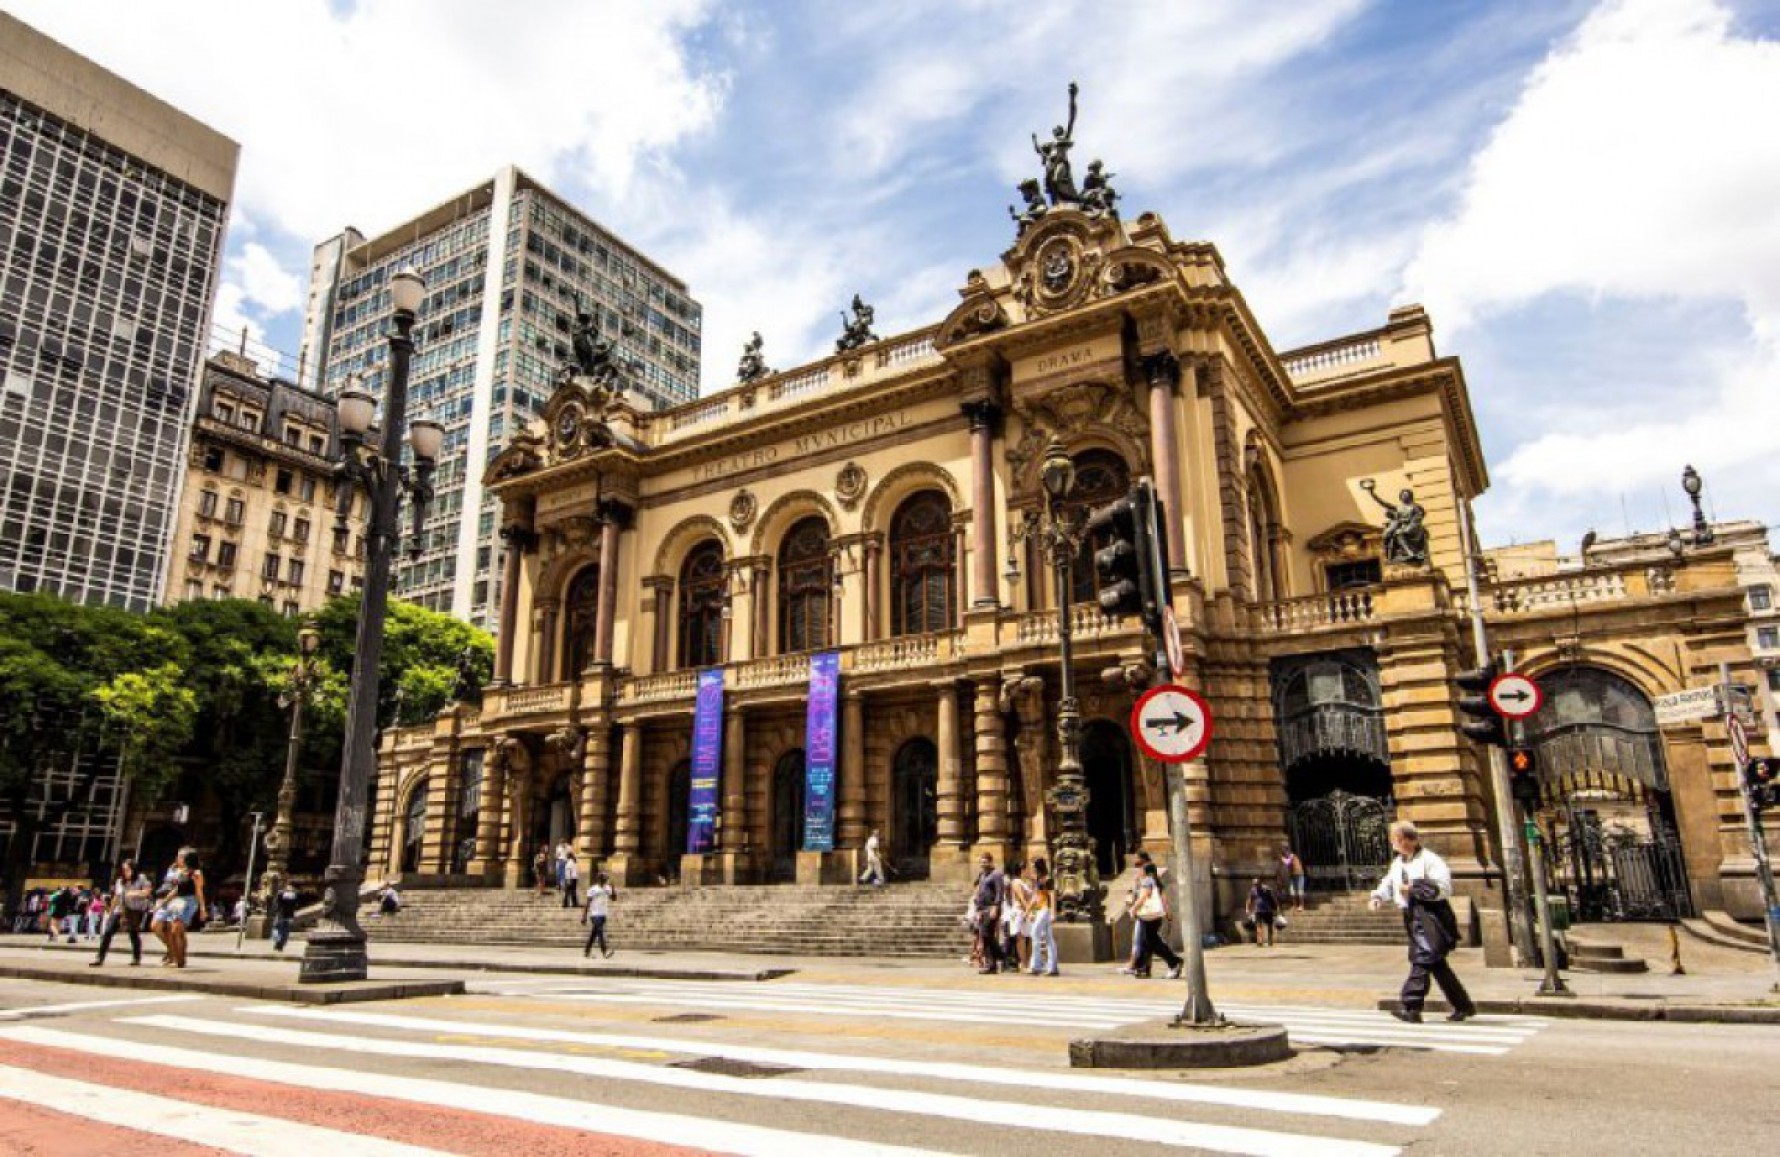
x: 819, y: 752
x: 707, y: 762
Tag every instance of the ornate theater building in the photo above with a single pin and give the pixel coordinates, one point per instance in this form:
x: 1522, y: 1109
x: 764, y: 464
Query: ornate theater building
x: 740, y: 635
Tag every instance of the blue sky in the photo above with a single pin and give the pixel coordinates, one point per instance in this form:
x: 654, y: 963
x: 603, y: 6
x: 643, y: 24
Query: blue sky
x: 1584, y: 193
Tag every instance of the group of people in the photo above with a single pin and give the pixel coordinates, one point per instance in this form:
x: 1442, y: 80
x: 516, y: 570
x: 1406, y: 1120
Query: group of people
x: 169, y: 909
x: 1013, y: 916
x: 1264, y: 912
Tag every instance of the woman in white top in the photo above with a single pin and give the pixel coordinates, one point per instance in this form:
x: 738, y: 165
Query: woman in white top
x: 1419, y: 883
x: 600, y: 895
x: 1013, y: 919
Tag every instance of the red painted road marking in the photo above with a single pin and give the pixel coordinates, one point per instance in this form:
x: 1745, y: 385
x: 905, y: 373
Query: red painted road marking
x: 436, y: 1126
x: 27, y: 1129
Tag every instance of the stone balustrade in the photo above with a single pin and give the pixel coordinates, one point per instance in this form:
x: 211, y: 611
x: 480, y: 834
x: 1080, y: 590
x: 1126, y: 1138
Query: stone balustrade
x: 775, y: 671
x: 1085, y: 622
x: 655, y: 688
x: 1321, y: 362
x: 1334, y: 609
x: 911, y: 651
x: 1530, y: 596
x: 537, y: 700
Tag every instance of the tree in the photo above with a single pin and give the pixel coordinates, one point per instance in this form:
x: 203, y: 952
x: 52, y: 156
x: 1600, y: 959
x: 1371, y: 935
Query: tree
x: 421, y: 653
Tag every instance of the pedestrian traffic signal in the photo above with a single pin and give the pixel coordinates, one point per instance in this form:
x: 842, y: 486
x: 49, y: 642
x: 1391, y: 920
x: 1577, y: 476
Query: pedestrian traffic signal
x: 1761, y: 777
x: 1485, y: 726
x: 1120, y: 560
x: 1523, y: 777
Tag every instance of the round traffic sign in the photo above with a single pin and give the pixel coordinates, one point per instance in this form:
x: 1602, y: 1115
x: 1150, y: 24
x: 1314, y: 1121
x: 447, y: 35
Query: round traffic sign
x: 1515, y: 696
x: 1733, y: 727
x: 1177, y: 657
x: 1171, y: 723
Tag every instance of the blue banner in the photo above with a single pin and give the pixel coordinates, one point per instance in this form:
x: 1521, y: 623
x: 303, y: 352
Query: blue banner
x: 819, y: 752
x: 707, y: 762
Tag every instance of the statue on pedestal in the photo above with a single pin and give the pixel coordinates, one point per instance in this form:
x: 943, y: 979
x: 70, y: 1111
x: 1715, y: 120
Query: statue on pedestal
x: 856, y: 331
x: 753, y: 366
x: 1405, y: 535
x: 1059, y: 181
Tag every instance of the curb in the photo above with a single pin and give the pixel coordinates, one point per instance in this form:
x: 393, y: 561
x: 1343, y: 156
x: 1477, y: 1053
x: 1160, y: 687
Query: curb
x: 1165, y: 1045
x: 1565, y: 1009
x: 290, y: 993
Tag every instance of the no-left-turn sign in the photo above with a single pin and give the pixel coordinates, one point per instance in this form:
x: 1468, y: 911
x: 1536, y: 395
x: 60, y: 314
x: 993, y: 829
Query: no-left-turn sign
x: 1171, y: 723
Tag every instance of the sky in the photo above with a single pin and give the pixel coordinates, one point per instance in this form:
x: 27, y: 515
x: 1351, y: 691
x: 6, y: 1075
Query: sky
x: 1584, y: 194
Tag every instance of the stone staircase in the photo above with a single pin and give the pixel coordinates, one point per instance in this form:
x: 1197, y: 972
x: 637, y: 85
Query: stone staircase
x: 1594, y: 956
x: 911, y: 919
x: 1345, y: 918
x: 1720, y: 929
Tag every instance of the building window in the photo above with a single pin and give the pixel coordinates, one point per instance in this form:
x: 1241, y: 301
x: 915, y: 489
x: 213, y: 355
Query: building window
x: 219, y: 592
x: 207, y: 503
x: 277, y: 524
x: 318, y: 445
x: 249, y: 420
x: 1761, y: 598
x: 300, y: 529
x: 293, y: 436
x: 234, y: 511
x: 1774, y: 679
x: 581, y: 619
x: 1767, y: 638
x: 296, y: 572
x: 225, y: 554
x: 922, y: 565
x: 342, y: 540
x: 224, y: 411
x: 1343, y: 575
x: 283, y: 481
x: 1100, y: 477
x: 306, y: 489
x: 200, y: 548
x: 336, y: 582
x: 806, y: 577
x: 291, y: 609
x: 701, y: 606
x: 214, y: 459
x: 194, y: 589
x: 269, y: 569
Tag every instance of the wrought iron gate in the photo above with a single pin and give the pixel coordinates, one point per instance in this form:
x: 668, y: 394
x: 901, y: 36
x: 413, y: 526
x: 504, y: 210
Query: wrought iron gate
x: 1343, y: 839
x: 1609, y: 876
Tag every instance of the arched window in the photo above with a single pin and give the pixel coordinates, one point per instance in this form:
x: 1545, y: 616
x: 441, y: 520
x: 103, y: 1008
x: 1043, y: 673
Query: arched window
x: 805, y: 576
x: 1262, y: 521
x: 701, y: 606
x: 414, y: 829
x: 1100, y: 477
x: 922, y: 565
x: 582, y: 615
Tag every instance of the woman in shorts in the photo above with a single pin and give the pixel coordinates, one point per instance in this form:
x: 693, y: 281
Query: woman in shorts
x: 174, y: 920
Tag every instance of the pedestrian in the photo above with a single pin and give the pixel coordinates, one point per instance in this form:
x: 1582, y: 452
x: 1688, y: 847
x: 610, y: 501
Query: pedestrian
x: 571, y: 881
x: 389, y: 901
x: 184, y: 909
x: 95, y: 910
x: 600, y: 895
x: 240, y: 913
x: 1016, y: 948
x: 1041, y: 916
x: 1419, y: 883
x: 562, y: 854
x: 541, y: 869
x: 1138, y: 863
x: 1289, y: 878
x: 61, y: 902
x: 1260, y: 911
x: 991, y: 893
x: 284, y: 912
x: 874, y: 862
x: 130, y: 893
x: 1151, y: 910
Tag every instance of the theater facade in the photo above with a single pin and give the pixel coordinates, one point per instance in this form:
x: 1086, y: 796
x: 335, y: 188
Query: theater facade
x: 682, y: 585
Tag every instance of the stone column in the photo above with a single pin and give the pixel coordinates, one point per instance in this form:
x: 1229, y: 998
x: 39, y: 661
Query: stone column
x: 625, y: 865
x: 734, y: 787
x: 489, y: 814
x: 663, y: 659
x: 547, y: 615
x: 853, y: 826
x: 760, y: 590
x: 983, y: 416
x: 596, y: 775
x: 952, y: 836
x: 514, y: 822
x: 993, y: 830
x: 612, y: 518
x: 874, y: 549
x: 1161, y: 371
x: 518, y: 537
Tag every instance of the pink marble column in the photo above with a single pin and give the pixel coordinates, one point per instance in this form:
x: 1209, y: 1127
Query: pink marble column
x: 612, y: 516
x: 983, y: 415
x: 519, y: 539
x: 1162, y: 372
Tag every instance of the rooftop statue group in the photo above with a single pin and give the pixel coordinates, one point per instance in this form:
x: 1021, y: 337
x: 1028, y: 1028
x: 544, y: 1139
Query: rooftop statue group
x: 1096, y: 197
x: 595, y: 357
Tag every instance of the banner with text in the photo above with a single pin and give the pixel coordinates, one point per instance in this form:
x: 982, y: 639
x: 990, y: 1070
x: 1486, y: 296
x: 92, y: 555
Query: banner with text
x: 819, y: 752
x: 707, y: 762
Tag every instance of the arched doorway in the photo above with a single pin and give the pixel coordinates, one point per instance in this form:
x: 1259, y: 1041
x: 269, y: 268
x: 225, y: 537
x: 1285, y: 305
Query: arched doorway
x: 914, y: 808
x: 787, y: 818
x: 581, y: 621
x: 414, y: 828
x: 1329, y: 719
x: 554, y: 818
x: 1611, y: 842
x: 1112, y: 798
x: 679, y: 813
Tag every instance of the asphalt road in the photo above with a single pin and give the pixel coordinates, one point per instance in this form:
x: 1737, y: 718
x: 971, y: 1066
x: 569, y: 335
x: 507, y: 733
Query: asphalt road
x: 896, y: 1064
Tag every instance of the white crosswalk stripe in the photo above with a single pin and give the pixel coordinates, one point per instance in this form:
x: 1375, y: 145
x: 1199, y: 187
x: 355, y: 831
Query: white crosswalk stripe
x: 337, y: 1047
x: 1352, y: 1028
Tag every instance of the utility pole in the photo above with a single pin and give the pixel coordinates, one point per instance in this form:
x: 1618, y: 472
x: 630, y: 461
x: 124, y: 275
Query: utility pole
x: 1552, y: 984
x: 253, y: 845
x: 1758, y: 840
x: 1512, y: 870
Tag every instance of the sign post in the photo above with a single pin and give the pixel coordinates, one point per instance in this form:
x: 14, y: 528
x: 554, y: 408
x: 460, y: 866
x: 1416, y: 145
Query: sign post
x: 1522, y: 698
x: 1173, y: 726
x: 1758, y: 840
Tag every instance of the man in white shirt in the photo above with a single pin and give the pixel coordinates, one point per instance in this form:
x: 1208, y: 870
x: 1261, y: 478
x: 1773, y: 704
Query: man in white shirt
x: 1420, y: 884
x: 599, y: 898
x: 874, y: 862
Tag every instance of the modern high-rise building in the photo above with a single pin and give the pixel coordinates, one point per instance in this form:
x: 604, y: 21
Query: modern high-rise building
x: 508, y: 265
x: 112, y: 209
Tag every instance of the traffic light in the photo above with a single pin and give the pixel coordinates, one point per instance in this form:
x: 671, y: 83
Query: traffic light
x: 1761, y: 777
x: 1120, y: 561
x: 1485, y: 725
x: 1523, y: 777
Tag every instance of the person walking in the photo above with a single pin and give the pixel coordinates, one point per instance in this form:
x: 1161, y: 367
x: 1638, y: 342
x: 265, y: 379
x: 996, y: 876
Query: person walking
x: 571, y: 881
x: 991, y: 893
x: 541, y: 870
x: 97, y: 910
x: 1151, y: 910
x: 1138, y: 863
x: 184, y: 908
x: 1289, y: 878
x: 130, y: 894
x: 1419, y: 883
x: 284, y: 913
x: 61, y: 903
x: 1017, y: 946
x: 600, y: 895
x: 1261, y: 910
x: 562, y: 853
x: 1041, y: 914
x: 874, y: 862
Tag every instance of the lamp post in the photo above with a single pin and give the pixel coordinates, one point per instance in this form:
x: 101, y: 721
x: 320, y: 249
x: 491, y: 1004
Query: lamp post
x: 335, y: 950
x: 278, y: 840
x: 1693, y: 484
x: 1060, y: 533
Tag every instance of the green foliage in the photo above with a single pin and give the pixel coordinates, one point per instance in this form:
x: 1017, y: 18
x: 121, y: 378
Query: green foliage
x: 421, y: 653
x: 150, y: 715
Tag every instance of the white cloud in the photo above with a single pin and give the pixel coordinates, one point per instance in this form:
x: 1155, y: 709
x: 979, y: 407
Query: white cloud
x: 264, y: 282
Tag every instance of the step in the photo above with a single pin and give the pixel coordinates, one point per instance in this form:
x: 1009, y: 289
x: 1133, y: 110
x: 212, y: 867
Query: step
x: 1606, y: 964
x: 1709, y: 934
x: 1583, y: 950
x: 1731, y: 928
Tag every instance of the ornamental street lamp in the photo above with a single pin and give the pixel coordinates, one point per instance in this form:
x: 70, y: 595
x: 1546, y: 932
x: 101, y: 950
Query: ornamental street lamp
x: 1060, y: 533
x: 336, y: 948
x: 278, y: 841
x: 1693, y: 484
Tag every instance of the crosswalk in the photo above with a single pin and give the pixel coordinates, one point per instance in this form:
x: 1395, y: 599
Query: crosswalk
x: 413, y: 1082
x: 1320, y: 1026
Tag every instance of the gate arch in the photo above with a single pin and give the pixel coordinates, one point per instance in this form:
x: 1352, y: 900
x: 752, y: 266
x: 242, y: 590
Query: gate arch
x: 787, y: 814
x: 1107, y: 767
x: 414, y: 828
x: 1335, y: 761
x: 914, y: 807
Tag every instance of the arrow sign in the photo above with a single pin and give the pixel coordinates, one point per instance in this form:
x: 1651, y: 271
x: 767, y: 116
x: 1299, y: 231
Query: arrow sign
x: 1171, y: 724
x: 1515, y: 696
